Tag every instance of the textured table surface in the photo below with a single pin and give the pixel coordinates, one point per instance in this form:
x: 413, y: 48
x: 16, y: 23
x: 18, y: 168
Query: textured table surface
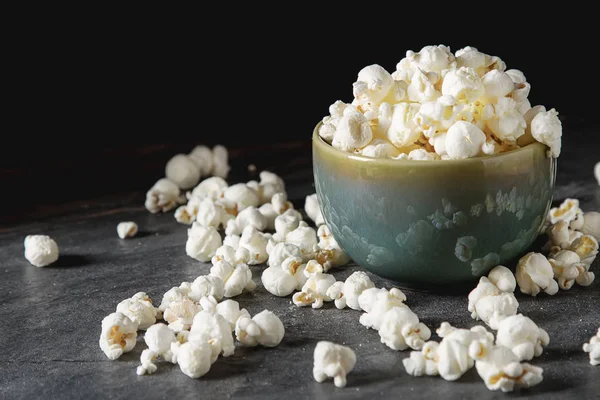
x: 51, y: 316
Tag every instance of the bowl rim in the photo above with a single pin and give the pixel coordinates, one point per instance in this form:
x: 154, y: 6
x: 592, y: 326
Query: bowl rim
x: 318, y: 141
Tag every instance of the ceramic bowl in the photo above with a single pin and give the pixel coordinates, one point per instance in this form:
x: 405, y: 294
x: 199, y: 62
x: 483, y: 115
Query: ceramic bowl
x: 433, y: 224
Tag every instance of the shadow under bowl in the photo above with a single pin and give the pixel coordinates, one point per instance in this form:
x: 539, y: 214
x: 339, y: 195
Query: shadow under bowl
x: 434, y: 225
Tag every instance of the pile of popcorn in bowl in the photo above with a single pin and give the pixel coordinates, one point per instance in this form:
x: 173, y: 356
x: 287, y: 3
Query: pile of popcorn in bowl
x: 440, y: 106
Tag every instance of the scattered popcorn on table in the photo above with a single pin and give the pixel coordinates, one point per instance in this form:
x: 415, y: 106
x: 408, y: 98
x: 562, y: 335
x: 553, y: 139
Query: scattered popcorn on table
x: 256, y: 244
x: 250, y: 216
x: 522, y: 336
x: 162, y: 197
x: 593, y: 347
x: 158, y: 338
x: 40, y: 250
x: 567, y: 268
x: 194, y: 358
x: 264, y: 329
x: 488, y: 302
x: 534, y: 274
x: 329, y: 253
x: 127, y: 229
x: 205, y: 286
x: 314, y: 291
x: 333, y: 361
x: 401, y: 329
x: 346, y: 293
x: 180, y: 314
x: 502, y: 370
x: 214, y: 330
x: 118, y: 335
x: 313, y: 210
x: 139, y: 309
x: 439, y: 105
x: 236, y: 278
x: 230, y: 310
x: 202, y: 242
x: 567, y: 211
x: 376, y: 302
x: 305, y: 238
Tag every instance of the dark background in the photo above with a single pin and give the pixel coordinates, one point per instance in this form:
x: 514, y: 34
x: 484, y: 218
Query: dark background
x: 98, y: 107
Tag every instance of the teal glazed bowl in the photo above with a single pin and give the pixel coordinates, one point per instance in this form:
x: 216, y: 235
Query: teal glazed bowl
x: 433, y: 225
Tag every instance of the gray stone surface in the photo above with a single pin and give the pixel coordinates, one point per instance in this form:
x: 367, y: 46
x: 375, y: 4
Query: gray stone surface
x: 51, y: 319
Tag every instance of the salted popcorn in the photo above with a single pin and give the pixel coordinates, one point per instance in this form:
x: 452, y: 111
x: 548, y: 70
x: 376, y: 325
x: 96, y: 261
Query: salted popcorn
x: 209, y: 213
x: 162, y: 196
x: 215, y: 330
x: 593, y: 347
x: 502, y: 370
x: 346, y: 293
x: 202, y: 242
x: 400, y: 329
x: 40, y: 250
x: 522, y: 336
x: 314, y: 291
x: 256, y: 244
x: 305, y: 238
x: 285, y: 223
x: 204, y: 286
x: 202, y: 156
x: 118, y: 335
x: 265, y: 329
x: 139, y: 309
x: 220, y: 161
x: 414, y: 108
x: 230, y: 310
x: 235, y: 279
x: 278, y: 281
x: 248, y: 217
x: 182, y: 171
x: 490, y: 304
x: 127, y: 229
x: 534, y: 274
x: 194, y: 358
x: 503, y: 278
x: 376, y: 302
x: 311, y: 206
x: 333, y: 361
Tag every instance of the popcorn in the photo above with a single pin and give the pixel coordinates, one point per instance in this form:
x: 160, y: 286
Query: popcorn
x: 232, y: 256
x: 508, y: 123
x: 269, y: 185
x: 305, y: 238
x: 401, y: 329
x: 311, y: 206
x: 210, y: 188
x: 281, y: 251
x: 521, y: 87
x: 333, y: 361
x: 314, y: 291
x: 586, y: 248
x: 250, y: 216
x: 464, y: 140
x: 422, y: 86
x: 183, y: 215
x: 489, y: 303
x: 182, y: 171
x: 205, y: 286
x: 593, y: 347
x: 424, y: 362
x: 503, y: 278
x: 118, y: 335
x: 329, y: 253
x: 567, y: 211
x: 40, y: 250
x: 577, y: 222
x: 211, y: 213
x: 378, y: 148
x: 403, y: 130
x: 147, y: 359
x: 173, y: 294
x: 591, y: 224
x: 376, y: 302
x: 256, y: 243
x: 353, y: 132
x: 202, y: 242
x: 567, y: 267
x: 138, y: 309
x: 235, y: 279
x: 278, y: 281
x: 432, y: 58
x: 374, y: 85
x: 158, y: 338
x: 480, y: 62
x: 534, y: 274
x: 522, y: 336
x: 194, y: 358
x: 163, y: 196
x: 265, y: 328
x: 214, y: 330
x: 220, y: 161
x: 463, y: 84
x: 232, y: 241
x: 202, y: 156
x: 501, y: 369
x: 546, y: 128
x: 127, y: 229
x: 497, y: 84
x: 285, y: 223
x: 242, y: 196
x: 230, y: 310
x: 180, y: 314
x: 493, y: 309
x: 561, y: 236
x: 269, y: 214
x: 422, y: 155
x: 346, y: 293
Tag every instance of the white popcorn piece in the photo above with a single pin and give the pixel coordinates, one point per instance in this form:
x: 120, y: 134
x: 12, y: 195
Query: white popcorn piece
x: 591, y: 224
x: 269, y: 214
x: 127, y: 229
x: 182, y: 171
x: 250, y: 216
x: 346, y: 293
x: 373, y: 85
x: 210, y: 188
x: 586, y: 248
x: 202, y: 156
x: 147, y: 359
x: 183, y: 215
x: 256, y: 243
x: 502, y: 370
x: 265, y: 329
x: 235, y: 279
x: 424, y: 362
x: 567, y: 211
x: 403, y: 131
x: 482, y: 63
x: 378, y: 148
x: 230, y: 310
x: 173, y: 294
x: 401, y: 329
x: 422, y: 86
x: 118, y: 335
x: 503, y: 278
x: 220, y: 161
x: 508, y: 123
x: 278, y: 281
x: 376, y: 302
x: 231, y: 255
x: 422, y: 155
x: 593, y: 347
x: 269, y: 184
x: 211, y: 213
x: 313, y: 210
x: 242, y: 196
x: 463, y: 84
x: 139, y: 309
x: 353, y: 132
x: 180, y: 314
x: 521, y: 87
x: 546, y: 128
x: 305, y: 238
x: 498, y: 84
x: 561, y: 236
x: 282, y: 251
x: 577, y: 222
x: 464, y: 140
x: 567, y: 267
x: 232, y: 241
x: 534, y: 274
x: 520, y: 334
x: 214, y: 330
x: 205, y: 286
x: 493, y: 309
x: 40, y: 250
x: 432, y: 58
x: 159, y: 338
x: 330, y: 254
x: 194, y: 358
x: 333, y: 361
x: 202, y: 242
x: 314, y: 291
x: 280, y: 202
x: 285, y: 223
x: 484, y: 289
